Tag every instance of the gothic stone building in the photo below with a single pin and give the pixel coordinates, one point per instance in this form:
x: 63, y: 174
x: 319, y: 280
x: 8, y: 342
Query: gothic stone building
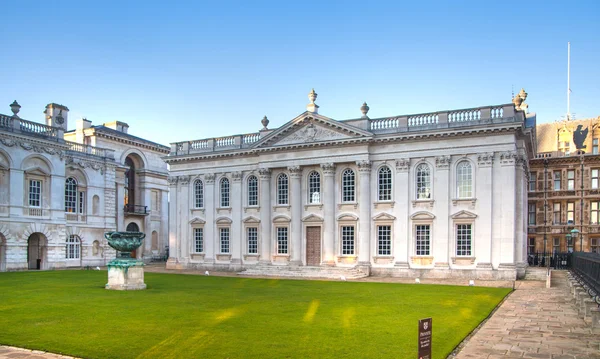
x: 564, y: 192
x: 439, y: 194
x: 61, y: 191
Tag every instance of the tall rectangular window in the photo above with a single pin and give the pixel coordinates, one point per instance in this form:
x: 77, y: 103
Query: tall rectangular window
x: 570, y: 212
x: 556, y: 213
x: 252, y: 238
x: 532, y: 183
x: 252, y: 191
x: 423, y: 240
x: 555, y: 245
x: 35, y: 193
x: 198, y: 240
x: 347, y: 240
x: 384, y: 240
x: 282, y: 189
x: 282, y: 240
x: 557, y: 180
x: 594, y: 178
x: 531, y: 246
x: 594, y: 212
x: 531, y: 214
x: 81, y: 202
x: 595, y: 245
x: 348, y: 186
x: 571, y: 180
x: 224, y: 237
x: 595, y: 146
x: 463, y: 240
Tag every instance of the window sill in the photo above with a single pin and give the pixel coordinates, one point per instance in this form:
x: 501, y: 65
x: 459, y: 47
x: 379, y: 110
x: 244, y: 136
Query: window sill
x: 252, y: 257
x: 389, y: 204
x: 251, y: 208
x: 313, y: 206
x: 223, y: 210
x: 281, y: 206
x: 347, y: 205
x: 197, y: 256
x: 468, y: 201
x: 223, y: 257
x: 201, y: 210
x: 463, y: 261
x: 423, y: 203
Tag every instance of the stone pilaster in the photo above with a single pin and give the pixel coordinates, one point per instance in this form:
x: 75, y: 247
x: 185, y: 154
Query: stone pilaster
x: 236, y: 216
x: 484, y: 184
x: 504, y: 207
x: 402, y: 208
x: 265, y: 215
x: 364, y: 243
x: 174, y: 223
x: 184, y: 214
x: 17, y: 194
x: 441, y: 182
x: 296, y: 223
x: 209, y: 227
x: 329, y: 221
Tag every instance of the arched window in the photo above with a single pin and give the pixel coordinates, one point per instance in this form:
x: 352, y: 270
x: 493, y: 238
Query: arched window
x: 464, y: 180
x: 282, y: 189
x: 348, y: 186
x: 224, y: 192
x: 198, y: 194
x: 252, y: 191
x: 423, y: 181
x: 384, y: 184
x: 73, y: 247
x: 132, y: 227
x: 314, y: 187
x: 71, y: 195
x: 129, y: 199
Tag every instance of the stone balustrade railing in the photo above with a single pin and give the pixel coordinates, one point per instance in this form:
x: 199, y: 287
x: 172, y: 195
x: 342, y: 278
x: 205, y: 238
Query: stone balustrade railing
x: 91, y: 150
x: 388, y: 125
x: 19, y: 125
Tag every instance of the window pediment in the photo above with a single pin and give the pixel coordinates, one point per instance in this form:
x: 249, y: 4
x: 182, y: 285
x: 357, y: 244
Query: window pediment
x: 312, y: 218
x: 223, y: 220
x: 347, y: 217
x: 464, y: 215
x: 281, y: 219
x: 384, y: 217
x: 251, y: 219
x: 37, y: 171
x: 422, y: 215
x: 197, y: 220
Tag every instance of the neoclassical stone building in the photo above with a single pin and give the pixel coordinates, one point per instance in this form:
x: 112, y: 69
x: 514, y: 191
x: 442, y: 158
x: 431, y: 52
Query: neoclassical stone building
x: 61, y: 190
x: 439, y: 194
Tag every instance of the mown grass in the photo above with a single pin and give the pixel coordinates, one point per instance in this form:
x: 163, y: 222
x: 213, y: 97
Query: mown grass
x: 185, y: 316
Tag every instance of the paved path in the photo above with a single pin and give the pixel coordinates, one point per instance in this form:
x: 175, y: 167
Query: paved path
x: 535, y: 322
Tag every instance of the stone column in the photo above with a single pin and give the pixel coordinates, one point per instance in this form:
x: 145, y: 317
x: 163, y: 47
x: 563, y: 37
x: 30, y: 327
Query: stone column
x: 265, y: 216
x: 441, y: 183
x: 484, y: 190
x: 401, y: 197
x: 364, y: 223
x: 184, y: 214
x: 209, y: 226
x: 329, y: 222
x: 163, y: 235
x: 236, y: 216
x: 174, y: 223
x: 504, y: 210
x: 296, y: 224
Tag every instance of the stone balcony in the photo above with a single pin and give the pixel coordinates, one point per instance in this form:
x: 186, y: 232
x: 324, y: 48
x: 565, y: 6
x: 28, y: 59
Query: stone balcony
x: 18, y: 125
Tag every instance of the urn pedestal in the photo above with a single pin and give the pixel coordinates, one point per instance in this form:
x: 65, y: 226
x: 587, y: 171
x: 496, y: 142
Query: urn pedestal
x: 125, y: 274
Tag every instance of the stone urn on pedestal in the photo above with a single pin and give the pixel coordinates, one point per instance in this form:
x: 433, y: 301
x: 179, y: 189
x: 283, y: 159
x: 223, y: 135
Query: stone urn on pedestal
x: 124, y: 272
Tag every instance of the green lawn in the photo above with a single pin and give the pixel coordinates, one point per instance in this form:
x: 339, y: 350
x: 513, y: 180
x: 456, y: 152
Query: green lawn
x: 186, y: 316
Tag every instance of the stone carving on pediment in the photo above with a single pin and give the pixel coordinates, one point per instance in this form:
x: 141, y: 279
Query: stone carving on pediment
x: 209, y: 178
x: 172, y: 180
x: 236, y: 176
x: 311, y: 133
x: 8, y: 142
x: 264, y: 173
x: 485, y: 159
x: 508, y: 157
x: 402, y: 164
x: 295, y: 171
x: 85, y: 164
x: 364, y: 166
x: 184, y: 180
x: 328, y: 168
x: 442, y: 162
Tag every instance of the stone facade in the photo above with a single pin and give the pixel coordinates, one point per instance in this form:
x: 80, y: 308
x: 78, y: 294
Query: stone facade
x: 430, y: 195
x: 59, y: 191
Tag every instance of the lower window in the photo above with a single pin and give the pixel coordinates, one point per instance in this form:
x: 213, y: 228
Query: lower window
x: 252, y: 238
x: 348, y: 240
x: 198, y: 240
x: 463, y: 240
x: 423, y: 239
x: 384, y: 240
x: 224, y: 237
x: 73, y: 247
x: 282, y: 240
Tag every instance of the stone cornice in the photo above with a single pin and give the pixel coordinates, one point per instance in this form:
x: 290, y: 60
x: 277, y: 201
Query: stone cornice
x: 32, y: 144
x: 129, y: 141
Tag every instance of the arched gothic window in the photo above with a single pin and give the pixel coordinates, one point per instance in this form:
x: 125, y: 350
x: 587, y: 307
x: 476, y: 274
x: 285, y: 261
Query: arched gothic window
x: 314, y: 187
x: 224, y: 187
x: 282, y: 189
x: 423, y: 181
x: 198, y: 194
x: 348, y: 186
x: 464, y: 180
x: 384, y: 184
x: 252, y: 191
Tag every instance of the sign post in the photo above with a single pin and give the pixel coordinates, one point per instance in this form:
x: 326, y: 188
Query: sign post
x: 425, y: 331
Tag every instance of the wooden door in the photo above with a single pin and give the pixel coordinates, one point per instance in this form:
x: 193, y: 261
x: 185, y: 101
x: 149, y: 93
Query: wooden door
x: 313, y: 246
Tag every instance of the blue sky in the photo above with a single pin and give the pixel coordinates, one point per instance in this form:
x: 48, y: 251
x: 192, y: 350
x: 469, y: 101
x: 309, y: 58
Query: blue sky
x: 178, y: 71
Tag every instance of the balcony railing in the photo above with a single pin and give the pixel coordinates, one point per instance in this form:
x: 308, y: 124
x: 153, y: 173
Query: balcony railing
x: 397, y: 124
x: 586, y: 268
x: 15, y: 124
x: 91, y: 150
x: 75, y: 217
x: 131, y: 209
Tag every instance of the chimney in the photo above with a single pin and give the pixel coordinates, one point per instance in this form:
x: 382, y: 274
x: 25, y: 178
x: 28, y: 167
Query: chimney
x: 56, y: 115
x: 117, y: 125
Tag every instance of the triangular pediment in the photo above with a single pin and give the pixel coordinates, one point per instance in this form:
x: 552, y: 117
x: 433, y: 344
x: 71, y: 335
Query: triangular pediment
x: 251, y: 219
x: 311, y: 128
x: 422, y: 215
x: 384, y: 217
x: 197, y: 220
x: 464, y: 215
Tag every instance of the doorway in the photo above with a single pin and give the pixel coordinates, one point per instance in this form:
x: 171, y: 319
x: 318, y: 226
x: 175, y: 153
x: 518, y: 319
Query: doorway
x: 36, y: 251
x: 313, y: 246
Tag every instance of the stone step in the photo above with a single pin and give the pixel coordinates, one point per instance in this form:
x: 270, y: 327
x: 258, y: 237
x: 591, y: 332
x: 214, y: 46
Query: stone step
x: 536, y: 273
x: 304, y: 272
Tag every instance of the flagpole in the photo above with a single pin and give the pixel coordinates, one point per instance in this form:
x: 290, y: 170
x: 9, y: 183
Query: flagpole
x: 568, y: 81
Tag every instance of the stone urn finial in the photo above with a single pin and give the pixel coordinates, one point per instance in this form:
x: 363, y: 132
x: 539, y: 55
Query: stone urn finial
x: 364, y: 109
x: 265, y: 123
x: 312, y: 106
x: 15, y: 108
